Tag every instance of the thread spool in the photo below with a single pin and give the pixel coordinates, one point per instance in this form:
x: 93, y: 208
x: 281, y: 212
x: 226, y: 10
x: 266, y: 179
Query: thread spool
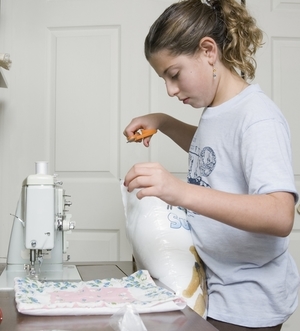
x: 41, y: 167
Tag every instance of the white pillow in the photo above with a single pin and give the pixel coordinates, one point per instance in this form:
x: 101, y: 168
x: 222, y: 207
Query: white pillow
x: 162, y: 244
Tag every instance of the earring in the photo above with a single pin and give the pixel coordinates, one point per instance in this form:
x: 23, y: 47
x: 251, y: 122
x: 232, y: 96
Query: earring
x: 214, y: 72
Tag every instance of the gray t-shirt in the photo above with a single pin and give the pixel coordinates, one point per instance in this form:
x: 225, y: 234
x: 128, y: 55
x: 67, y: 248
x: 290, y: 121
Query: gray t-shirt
x: 243, y: 147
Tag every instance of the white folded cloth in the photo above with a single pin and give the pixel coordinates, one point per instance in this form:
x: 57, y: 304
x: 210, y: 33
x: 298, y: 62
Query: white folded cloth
x: 96, y: 297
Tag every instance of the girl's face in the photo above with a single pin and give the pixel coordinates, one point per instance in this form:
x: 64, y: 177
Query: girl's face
x: 189, y: 78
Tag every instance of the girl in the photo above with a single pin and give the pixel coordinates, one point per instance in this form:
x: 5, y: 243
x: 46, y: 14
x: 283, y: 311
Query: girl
x: 240, y: 190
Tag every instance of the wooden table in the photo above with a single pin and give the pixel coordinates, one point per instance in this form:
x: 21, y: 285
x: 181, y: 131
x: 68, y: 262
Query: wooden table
x: 183, y: 320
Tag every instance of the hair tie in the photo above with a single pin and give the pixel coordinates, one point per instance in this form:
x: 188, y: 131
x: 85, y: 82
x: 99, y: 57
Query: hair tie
x: 207, y: 2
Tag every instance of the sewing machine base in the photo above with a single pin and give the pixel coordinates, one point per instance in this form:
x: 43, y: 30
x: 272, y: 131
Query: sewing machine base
x: 49, y: 273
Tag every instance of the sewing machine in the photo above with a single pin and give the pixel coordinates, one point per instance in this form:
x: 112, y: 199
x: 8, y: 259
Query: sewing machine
x: 37, y: 245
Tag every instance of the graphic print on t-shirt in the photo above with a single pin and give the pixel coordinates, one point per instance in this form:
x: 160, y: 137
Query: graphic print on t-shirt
x: 201, y: 164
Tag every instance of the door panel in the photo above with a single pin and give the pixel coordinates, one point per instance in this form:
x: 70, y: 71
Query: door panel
x: 78, y: 77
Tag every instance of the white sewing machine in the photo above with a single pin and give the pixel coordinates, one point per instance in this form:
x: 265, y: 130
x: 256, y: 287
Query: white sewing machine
x: 37, y: 245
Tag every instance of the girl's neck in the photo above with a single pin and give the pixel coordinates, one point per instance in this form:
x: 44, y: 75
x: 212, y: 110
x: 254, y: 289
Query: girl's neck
x: 230, y: 84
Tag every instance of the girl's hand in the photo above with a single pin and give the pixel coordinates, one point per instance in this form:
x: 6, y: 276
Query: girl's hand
x: 153, y: 180
x: 149, y: 121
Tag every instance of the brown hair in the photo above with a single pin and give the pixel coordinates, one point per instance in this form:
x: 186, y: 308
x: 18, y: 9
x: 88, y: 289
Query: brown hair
x: 182, y: 25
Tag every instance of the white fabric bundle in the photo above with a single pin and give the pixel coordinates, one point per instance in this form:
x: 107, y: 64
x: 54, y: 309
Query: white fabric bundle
x: 162, y: 244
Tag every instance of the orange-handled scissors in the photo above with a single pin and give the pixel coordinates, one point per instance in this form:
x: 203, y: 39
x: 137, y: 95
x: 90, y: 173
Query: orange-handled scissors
x: 141, y: 134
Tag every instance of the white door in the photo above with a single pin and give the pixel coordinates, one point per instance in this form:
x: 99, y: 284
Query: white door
x: 278, y: 74
x: 78, y: 76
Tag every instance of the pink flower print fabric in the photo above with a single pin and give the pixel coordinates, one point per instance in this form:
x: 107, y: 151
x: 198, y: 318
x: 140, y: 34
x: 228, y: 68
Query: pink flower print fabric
x: 96, y: 297
x: 88, y: 295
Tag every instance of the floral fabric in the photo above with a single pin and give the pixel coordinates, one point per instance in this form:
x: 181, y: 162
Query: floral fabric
x: 96, y: 297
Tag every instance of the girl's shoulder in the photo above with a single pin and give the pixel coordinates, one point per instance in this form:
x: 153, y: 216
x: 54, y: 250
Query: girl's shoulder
x: 254, y: 102
x: 249, y: 104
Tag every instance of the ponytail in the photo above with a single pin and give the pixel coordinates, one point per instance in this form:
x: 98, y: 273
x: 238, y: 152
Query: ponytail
x: 182, y: 25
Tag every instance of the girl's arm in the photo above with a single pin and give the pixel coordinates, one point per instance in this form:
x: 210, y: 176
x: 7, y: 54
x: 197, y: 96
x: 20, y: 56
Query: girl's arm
x: 271, y: 214
x: 262, y: 213
x: 181, y: 133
